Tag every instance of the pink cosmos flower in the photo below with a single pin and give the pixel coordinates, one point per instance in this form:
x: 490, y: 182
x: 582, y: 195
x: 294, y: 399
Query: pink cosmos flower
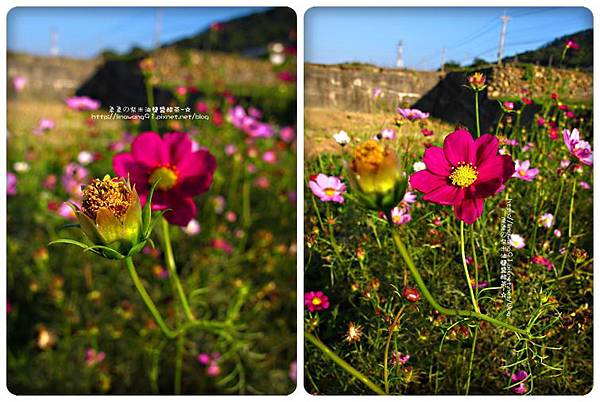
x: 557, y: 233
x: 585, y: 185
x: 293, y: 373
x: 287, y: 134
x: 192, y: 228
x: 377, y: 93
x: 249, y: 124
x: 412, y: 114
x: 571, y: 44
x: 19, y: 82
x: 398, y: 358
x: 400, y: 216
x: 286, y: 76
x: 212, y: 363
x: 328, y: 188
x: 541, y: 121
x: 223, y: 245
x: 181, y: 173
x: 315, y: 301
x: 517, y: 241
x: 82, y: 103
x: 426, y: 132
x: 43, y: 126
x: 538, y: 259
x: 11, y: 184
x: 388, y: 134
x: 181, y: 91
x: 92, y: 357
x: 546, y: 220
x: 523, y: 172
x: 508, y: 106
x: 270, y: 157
x: 73, y: 178
x: 577, y: 147
x: 409, y: 197
x: 66, y: 211
x: 463, y: 173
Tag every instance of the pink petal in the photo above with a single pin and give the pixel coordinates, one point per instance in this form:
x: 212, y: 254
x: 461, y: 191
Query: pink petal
x: 499, y: 167
x: 436, y: 161
x: 125, y: 166
x: 196, y: 173
x: 183, y: 210
x: 425, y: 181
x: 177, y: 147
x: 468, y: 209
x: 443, y: 195
x: 486, y: 147
x: 147, y: 148
x: 459, y: 147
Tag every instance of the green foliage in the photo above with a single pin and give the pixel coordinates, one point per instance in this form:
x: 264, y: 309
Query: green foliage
x: 351, y: 257
x: 89, y: 302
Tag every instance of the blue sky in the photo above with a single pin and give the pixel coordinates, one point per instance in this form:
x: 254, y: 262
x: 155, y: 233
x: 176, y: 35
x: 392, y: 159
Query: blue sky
x: 370, y: 35
x: 83, y: 32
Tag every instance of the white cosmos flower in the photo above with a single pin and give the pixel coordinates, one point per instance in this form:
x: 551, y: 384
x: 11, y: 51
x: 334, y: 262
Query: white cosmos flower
x: 341, y: 138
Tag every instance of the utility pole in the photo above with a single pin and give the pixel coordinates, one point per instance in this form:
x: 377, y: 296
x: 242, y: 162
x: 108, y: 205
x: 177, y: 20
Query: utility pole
x: 400, y: 55
x: 443, y: 58
x: 54, y: 50
x: 157, y: 28
x: 504, y: 19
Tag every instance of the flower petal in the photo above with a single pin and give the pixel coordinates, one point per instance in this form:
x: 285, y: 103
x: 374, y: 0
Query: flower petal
x: 486, y: 147
x: 183, y: 210
x: 459, y: 147
x: 436, y: 161
x: 196, y: 173
x: 125, y: 166
x: 177, y: 147
x: 425, y: 181
x: 147, y: 149
x: 469, y: 209
x: 443, y: 195
x: 499, y: 167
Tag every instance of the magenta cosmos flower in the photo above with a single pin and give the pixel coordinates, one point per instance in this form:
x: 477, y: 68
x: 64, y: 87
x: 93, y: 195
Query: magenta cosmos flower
x: 328, y: 188
x: 181, y: 172
x: 463, y: 173
x: 523, y: 172
x: 82, y: 103
x: 11, y: 184
x: 577, y: 147
x: 315, y: 301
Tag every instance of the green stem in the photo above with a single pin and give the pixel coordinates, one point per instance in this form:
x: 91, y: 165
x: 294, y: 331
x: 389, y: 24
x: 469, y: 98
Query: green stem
x: 464, y: 261
x: 147, y: 300
x: 471, y: 360
x: 477, y: 113
x: 444, y: 310
x: 173, y: 271
x: 340, y: 362
x: 178, y: 364
x: 499, y: 122
x: 387, y: 350
x: 150, y: 97
x: 571, y: 208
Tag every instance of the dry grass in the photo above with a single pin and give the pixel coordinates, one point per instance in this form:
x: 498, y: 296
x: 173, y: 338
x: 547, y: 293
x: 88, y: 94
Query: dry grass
x: 320, y: 124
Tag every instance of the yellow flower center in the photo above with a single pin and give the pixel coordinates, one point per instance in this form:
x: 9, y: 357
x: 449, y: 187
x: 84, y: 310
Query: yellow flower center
x: 316, y: 301
x: 113, y: 194
x: 368, y: 156
x: 329, y: 191
x: 464, y: 174
x: 166, y: 177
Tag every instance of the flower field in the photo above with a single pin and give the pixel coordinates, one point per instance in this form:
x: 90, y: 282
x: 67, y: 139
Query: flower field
x: 153, y: 255
x: 455, y: 261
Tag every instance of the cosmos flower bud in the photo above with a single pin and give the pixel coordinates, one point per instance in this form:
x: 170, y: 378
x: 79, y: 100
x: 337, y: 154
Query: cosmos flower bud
x: 111, y: 214
x: 375, y: 174
x: 112, y: 219
x: 477, y: 81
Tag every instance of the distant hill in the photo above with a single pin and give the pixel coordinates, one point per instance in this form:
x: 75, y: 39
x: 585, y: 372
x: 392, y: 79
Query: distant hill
x: 248, y: 35
x: 549, y: 54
